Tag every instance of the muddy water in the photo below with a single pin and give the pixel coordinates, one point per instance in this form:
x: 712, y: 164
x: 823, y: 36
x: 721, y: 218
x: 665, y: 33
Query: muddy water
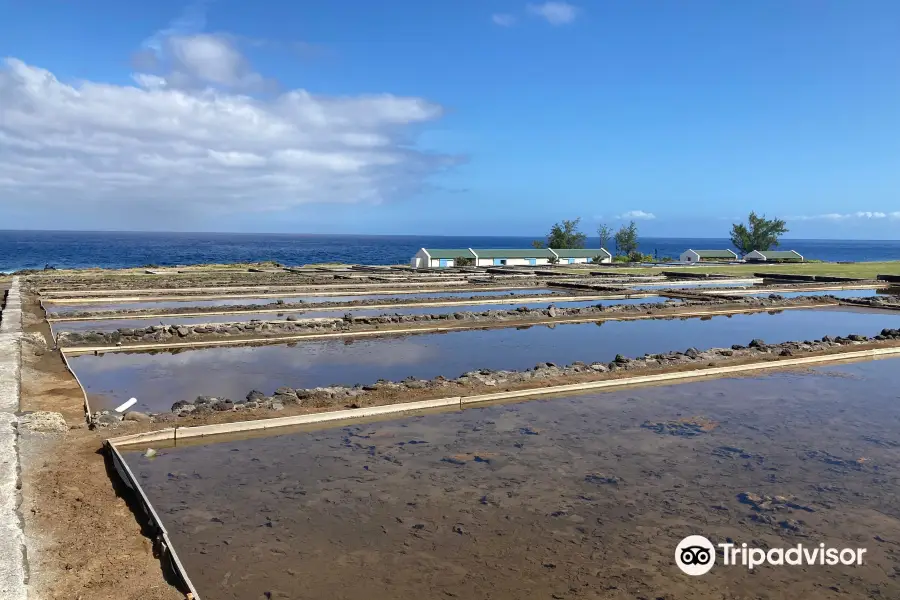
x: 580, y: 497
x: 61, y: 309
x: 159, y: 379
x: 110, y: 324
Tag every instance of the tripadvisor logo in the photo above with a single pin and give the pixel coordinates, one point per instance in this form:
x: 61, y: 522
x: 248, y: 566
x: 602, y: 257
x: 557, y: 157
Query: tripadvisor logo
x: 696, y: 555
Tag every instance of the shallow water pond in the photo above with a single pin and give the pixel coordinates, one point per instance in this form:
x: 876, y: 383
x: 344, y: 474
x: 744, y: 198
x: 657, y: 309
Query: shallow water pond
x: 577, y: 497
x: 111, y: 324
x: 62, y: 309
x: 158, y: 379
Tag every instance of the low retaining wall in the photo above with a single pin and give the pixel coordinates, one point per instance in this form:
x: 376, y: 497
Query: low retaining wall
x: 261, y: 328
x: 146, y: 514
x: 593, y: 287
x: 340, y: 395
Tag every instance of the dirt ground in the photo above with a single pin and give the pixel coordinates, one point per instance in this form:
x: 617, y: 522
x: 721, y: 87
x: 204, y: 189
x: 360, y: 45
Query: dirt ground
x: 83, y: 540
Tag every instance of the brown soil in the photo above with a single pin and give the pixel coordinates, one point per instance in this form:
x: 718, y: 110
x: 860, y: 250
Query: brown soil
x: 84, y: 541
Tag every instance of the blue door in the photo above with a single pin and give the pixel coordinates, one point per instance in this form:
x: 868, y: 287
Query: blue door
x: 532, y: 261
x: 499, y: 261
x: 444, y: 262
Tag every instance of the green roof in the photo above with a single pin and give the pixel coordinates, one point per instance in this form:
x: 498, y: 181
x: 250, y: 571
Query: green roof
x: 715, y: 254
x: 579, y: 252
x: 780, y: 254
x: 505, y: 253
x: 449, y: 253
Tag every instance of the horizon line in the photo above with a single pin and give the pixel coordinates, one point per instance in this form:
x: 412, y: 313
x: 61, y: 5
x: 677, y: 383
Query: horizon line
x: 400, y: 235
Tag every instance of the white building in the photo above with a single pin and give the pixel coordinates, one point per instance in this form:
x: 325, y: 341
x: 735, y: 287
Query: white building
x: 571, y: 256
x: 774, y: 255
x: 435, y: 258
x: 693, y: 256
x: 429, y: 258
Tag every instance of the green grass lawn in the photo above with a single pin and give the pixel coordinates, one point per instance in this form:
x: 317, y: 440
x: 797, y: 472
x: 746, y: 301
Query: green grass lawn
x: 863, y: 270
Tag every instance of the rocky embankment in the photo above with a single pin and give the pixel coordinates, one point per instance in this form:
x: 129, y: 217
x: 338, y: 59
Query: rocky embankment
x: 882, y: 301
x: 543, y: 373
x: 264, y: 328
x: 45, y: 283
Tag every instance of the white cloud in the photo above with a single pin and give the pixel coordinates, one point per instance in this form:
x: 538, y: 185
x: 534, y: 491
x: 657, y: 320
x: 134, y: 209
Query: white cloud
x: 555, y: 13
x: 155, y: 150
x: 503, y: 19
x: 859, y: 215
x: 636, y: 215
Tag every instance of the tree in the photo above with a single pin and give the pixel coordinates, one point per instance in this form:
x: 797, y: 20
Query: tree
x: 563, y: 235
x: 627, y: 239
x: 759, y: 233
x: 605, y: 233
x: 463, y: 261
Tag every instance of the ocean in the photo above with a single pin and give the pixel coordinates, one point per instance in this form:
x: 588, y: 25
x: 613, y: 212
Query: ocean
x: 81, y: 249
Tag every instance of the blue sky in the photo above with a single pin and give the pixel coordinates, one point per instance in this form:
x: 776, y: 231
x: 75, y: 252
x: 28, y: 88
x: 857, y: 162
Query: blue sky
x: 457, y: 117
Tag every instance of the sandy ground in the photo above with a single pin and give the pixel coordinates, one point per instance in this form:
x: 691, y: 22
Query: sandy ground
x: 83, y: 540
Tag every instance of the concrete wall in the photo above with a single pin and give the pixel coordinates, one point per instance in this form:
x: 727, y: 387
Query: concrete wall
x: 689, y: 256
x: 574, y: 261
x: 512, y: 262
x: 436, y: 262
x: 12, y: 554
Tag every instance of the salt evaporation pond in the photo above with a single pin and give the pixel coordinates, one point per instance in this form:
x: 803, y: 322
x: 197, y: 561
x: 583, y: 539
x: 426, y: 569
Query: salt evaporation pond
x: 160, y: 378
x: 62, y: 309
x: 112, y: 324
x: 869, y: 293
x: 536, y: 499
x: 309, y: 299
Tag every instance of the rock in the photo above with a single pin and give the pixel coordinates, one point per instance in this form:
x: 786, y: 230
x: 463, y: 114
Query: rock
x: 44, y: 422
x: 285, y: 399
x: 786, y: 352
x: 181, y: 405
x: 621, y: 359
x: 692, y: 353
x: 223, y: 405
x: 183, y: 331
x: 277, y: 405
x: 599, y: 367
x: 737, y: 347
x: 757, y: 343
x: 150, y: 453
x: 255, y: 395
x: 828, y: 338
x: 551, y: 311
x: 204, y: 400
x: 106, y: 419
x: 136, y: 415
x: 857, y: 338
x: 285, y: 391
